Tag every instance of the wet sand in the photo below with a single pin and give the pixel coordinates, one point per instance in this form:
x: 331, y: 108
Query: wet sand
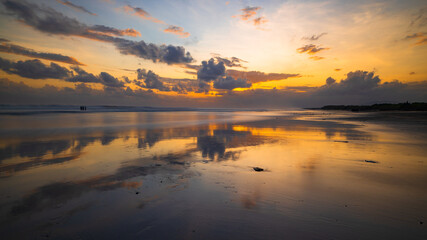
x: 189, y: 175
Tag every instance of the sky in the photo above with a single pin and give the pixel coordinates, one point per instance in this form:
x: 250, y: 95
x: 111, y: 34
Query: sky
x: 213, y: 53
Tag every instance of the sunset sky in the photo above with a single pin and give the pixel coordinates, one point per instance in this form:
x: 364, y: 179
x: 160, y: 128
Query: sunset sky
x: 206, y: 53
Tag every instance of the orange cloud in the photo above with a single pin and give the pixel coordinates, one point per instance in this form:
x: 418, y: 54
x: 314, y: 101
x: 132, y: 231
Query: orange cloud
x: 311, y: 49
x: 421, y: 37
x: 248, y: 15
x: 317, y: 58
x: 260, y: 20
x: 177, y: 31
x: 257, y: 76
x: 249, y: 12
x: 139, y: 12
x: 117, y: 32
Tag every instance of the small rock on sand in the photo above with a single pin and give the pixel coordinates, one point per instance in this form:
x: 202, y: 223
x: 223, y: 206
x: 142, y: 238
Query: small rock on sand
x: 258, y: 169
x: 371, y: 161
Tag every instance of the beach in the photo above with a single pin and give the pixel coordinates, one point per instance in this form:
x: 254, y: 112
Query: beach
x: 190, y: 175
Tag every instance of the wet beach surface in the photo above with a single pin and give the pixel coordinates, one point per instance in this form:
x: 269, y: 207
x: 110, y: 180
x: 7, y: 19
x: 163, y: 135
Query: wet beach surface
x: 190, y: 175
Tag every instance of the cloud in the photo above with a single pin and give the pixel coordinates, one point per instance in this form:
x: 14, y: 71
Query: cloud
x: 359, y: 87
x: 210, y: 70
x: 215, y: 71
x: 314, y: 37
x: 101, y: 29
x: 337, y: 69
x: 316, y: 58
x: 420, y: 19
x: 104, y: 78
x: 259, y: 21
x: 356, y: 82
x: 82, y: 76
x: 311, y: 49
x: 139, y: 12
x: 249, y: 12
x: 229, y: 83
x: 50, y: 21
x: 75, y: 7
x: 248, y: 15
x: 330, y: 81
x: 20, y: 93
x: 164, y: 53
x: 19, y: 50
x: 420, y: 36
x: 256, y: 76
x: 229, y: 62
x: 34, y: 69
x: 151, y: 80
x: 177, y: 31
x: 110, y: 81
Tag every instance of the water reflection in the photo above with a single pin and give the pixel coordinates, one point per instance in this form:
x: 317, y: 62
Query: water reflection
x: 201, y: 175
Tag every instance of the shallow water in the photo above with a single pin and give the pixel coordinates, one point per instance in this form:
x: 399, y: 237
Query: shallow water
x: 189, y: 175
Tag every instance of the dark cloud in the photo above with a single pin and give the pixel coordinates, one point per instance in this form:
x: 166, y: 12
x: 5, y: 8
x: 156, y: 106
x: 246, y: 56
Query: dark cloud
x: 110, y: 81
x: 310, y: 49
x: 182, y: 88
x: 126, y: 79
x: 256, y: 76
x: 358, y: 87
x: 75, y: 7
x: 314, y: 37
x: 177, y: 31
x: 82, y: 76
x: 203, y: 87
x: 210, y: 70
x: 337, y: 69
x: 356, y: 82
x: 45, y: 20
x: 167, y: 54
x: 20, y: 93
x: 192, y: 66
x: 191, y: 72
x: 34, y: 69
x: 330, y: 81
x: 229, y: 83
x: 151, y: 80
x: 104, y: 78
x: 19, y: 50
x: 50, y: 21
x: 4, y: 40
x: 299, y: 88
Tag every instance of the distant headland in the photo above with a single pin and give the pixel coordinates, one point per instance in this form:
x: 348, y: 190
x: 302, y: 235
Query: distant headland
x: 415, y: 106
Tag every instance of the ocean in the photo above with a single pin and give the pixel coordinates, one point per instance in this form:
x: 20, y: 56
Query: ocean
x: 165, y: 173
